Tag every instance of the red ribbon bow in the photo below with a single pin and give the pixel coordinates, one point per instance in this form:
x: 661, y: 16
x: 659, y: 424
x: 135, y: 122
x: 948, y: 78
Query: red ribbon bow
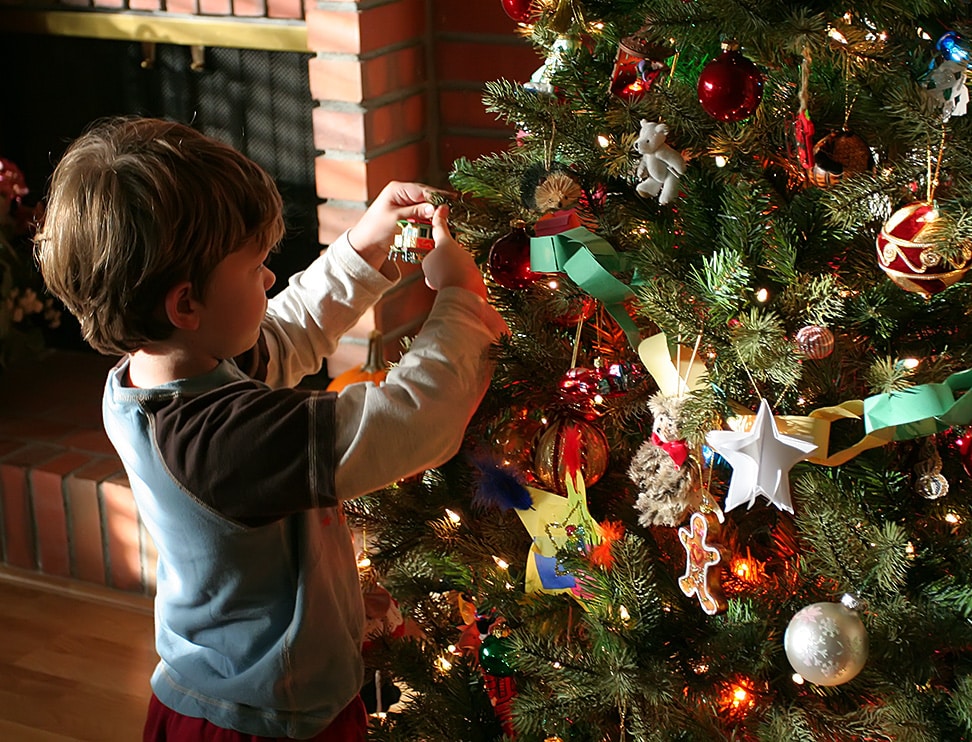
x: 678, y: 450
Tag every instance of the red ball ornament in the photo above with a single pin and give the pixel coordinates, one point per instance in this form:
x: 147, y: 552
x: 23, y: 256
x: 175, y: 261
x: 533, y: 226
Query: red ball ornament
x: 815, y: 342
x: 907, y: 251
x: 730, y: 87
x: 581, y: 390
x: 548, y: 459
x: 521, y: 11
x: 509, y: 260
x: 567, y: 307
x: 586, y: 390
x: 963, y: 447
x: 963, y: 444
x: 13, y: 185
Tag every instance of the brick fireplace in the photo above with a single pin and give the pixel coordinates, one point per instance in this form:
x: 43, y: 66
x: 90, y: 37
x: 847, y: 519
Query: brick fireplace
x: 395, y: 92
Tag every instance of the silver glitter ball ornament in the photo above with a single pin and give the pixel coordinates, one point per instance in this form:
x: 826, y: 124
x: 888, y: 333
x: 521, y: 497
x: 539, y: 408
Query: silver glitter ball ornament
x: 826, y: 643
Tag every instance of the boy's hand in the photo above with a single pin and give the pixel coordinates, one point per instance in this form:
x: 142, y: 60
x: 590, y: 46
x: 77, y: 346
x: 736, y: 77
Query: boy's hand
x: 449, y: 264
x: 374, y: 233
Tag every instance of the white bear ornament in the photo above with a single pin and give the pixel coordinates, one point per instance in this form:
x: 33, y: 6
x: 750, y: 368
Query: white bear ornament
x: 660, y: 165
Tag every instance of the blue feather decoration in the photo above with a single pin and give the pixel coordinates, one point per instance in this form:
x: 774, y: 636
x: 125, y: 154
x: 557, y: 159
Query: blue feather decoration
x: 500, y: 486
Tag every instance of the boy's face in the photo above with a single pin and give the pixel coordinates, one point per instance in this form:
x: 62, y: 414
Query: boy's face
x: 235, y: 301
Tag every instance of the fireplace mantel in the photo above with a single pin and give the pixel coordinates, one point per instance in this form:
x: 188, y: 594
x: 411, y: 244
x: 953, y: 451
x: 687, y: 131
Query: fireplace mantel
x: 277, y: 34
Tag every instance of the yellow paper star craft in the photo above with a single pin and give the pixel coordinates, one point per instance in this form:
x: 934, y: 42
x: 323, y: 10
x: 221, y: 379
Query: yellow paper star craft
x: 553, y: 522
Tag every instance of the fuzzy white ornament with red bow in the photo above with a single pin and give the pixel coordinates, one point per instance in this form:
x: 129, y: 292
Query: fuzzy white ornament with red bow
x: 664, y: 469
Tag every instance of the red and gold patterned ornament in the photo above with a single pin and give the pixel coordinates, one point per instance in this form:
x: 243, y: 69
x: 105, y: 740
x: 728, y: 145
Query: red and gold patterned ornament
x: 703, y: 562
x: 908, y: 254
x: 815, y: 342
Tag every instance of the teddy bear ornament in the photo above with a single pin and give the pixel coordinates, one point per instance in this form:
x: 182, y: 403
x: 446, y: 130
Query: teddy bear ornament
x: 660, y: 165
x: 664, y: 469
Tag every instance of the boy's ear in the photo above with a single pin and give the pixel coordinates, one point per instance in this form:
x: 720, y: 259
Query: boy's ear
x: 180, y: 306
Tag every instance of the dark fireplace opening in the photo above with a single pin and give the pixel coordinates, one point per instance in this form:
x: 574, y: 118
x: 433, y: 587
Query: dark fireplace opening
x: 258, y: 101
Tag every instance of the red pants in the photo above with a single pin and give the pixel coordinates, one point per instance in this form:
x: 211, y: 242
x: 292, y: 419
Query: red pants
x: 165, y: 725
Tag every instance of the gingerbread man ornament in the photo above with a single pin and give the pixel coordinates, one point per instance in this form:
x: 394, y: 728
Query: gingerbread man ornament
x: 703, y: 559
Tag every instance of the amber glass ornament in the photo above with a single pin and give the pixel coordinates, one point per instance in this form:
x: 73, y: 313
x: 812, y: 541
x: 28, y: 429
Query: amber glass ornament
x: 548, y: 459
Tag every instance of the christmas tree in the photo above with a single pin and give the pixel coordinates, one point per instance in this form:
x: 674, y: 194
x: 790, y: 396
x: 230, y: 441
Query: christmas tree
x: 721, y: 485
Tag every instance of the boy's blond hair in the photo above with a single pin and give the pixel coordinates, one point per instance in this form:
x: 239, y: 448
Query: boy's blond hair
x: 138, y: 205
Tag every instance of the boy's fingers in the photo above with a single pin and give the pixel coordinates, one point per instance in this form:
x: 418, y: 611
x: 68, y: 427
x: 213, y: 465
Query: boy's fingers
x: 440, y: 224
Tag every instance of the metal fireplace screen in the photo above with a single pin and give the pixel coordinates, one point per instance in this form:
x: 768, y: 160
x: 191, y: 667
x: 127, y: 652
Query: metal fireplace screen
x: 258, y: 101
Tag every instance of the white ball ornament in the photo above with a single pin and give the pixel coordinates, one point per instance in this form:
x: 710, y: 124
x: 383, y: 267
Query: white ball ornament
x: 826, y: 643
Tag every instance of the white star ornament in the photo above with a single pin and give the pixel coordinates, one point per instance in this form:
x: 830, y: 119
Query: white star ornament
x: 761, y: 459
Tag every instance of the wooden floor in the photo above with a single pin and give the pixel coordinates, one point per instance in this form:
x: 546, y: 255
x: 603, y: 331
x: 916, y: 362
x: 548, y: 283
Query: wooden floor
x: 74, y: 665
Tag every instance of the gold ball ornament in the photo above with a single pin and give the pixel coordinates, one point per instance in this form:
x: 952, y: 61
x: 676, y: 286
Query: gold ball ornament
x: 512, y: 443
x: 838, y: 154
x: 549, y: 463
x: 909, y: 254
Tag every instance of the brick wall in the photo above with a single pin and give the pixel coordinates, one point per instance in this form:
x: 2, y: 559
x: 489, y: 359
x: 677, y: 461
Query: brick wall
x: 66, y: 510
x: 399, y: 91
x: 398, y: 85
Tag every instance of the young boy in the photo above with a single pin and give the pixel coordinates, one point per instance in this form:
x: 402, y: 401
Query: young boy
x: 156, y: 238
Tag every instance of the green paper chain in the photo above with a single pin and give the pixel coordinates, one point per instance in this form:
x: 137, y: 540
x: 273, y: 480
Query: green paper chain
x: 590, y: 262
